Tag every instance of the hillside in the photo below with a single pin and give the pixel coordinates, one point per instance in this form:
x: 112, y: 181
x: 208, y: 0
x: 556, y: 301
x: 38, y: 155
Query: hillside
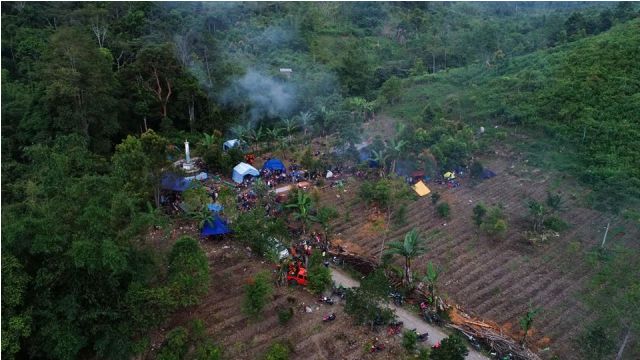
x: 578, y: 105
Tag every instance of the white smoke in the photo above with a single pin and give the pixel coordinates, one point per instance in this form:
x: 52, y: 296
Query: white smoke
x: 265, y: 96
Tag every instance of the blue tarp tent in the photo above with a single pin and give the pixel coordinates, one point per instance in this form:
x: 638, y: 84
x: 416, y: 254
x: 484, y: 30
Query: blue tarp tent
x: 488, y: 174
x: 214, y: 207
x: 174, y: 182
x: 217, y: 227
x: 274, y: 165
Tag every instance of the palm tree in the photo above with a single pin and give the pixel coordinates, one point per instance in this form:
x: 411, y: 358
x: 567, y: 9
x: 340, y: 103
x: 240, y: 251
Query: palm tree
x: 409, y: 248
x: 290, y: 125
x: 273, y: 135
x: 256, y: 136
x: 395, y: 149
x: 302, y: 208
x: 241, y: 132
x: 202, y: 216
x: 431, y: 278
x: 208, y: 140
x: 380, y: 157
x: 305, y: 119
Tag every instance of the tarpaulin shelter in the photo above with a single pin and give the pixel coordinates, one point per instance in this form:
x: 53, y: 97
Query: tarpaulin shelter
x: 243, y: 169
x: 449, y: 175
x: 274, y: 165
x: 215, y: 227
x: 230, y: 144
x: 214, y: 207
x: 487, y: 174
x: 421, y: 189
x: 174, y: 182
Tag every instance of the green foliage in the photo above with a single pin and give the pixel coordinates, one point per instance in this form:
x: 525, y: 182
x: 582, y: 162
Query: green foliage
x: 479, y: 211
x: 443, y: 210
x: 16, y: 322
x: 284, y: 315
x: 176, y: 345
x: 526, y: 321
x: 476, y: 169
x: 411, y: 247
x: 196, y: 198
x: 188, y: 271
x: 495, y: 222
x: 277, y: 351
x: 255, y: 229
x: 435, y: 197
x: 362, y: 303
x: 451, y: 348
x: 409, y: 340
x: 319, y: 275
x: 555, y: 223
x: 257, y: 293
x: 595, y: 343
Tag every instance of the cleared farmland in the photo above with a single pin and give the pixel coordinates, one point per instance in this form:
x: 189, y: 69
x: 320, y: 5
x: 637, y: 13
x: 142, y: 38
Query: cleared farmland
x: 491, y: 278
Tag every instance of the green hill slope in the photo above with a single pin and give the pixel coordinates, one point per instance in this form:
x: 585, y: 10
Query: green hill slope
x: 581, y: 103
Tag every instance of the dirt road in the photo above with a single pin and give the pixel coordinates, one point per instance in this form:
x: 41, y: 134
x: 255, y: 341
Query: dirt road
x: 410, y: 320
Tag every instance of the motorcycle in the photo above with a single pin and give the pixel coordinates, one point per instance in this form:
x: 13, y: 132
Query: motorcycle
x: 340, y: 292
x: 329, y: 317
x: 432, y: 317
x: 398, y: 299
x: 326, y: 300
x: 421, y: 337
x: 376, y: 346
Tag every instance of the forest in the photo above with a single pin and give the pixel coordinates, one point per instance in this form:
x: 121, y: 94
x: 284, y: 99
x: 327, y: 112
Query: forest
x: 98, y: 98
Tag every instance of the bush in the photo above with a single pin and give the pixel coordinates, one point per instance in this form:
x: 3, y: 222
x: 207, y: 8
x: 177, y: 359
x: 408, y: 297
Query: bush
x: 188, y: 271
x: 277, y: 351
x: 434, y: 198
x: 555, y: 223
x: 495, y: 223
x: 409, y: 340
x: 400, y: 215
x: 451, y: 348
x: 176, y: 345
x: 479, y: 211
x: 476, y: 170
x: 257, y: 292
x: 284, y: 315
x: 444, y: 210
x: 319, y: 275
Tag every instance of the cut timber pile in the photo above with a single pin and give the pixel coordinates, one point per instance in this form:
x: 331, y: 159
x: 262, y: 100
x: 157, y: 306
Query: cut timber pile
x: 490, y: 334
x: 487, y: 332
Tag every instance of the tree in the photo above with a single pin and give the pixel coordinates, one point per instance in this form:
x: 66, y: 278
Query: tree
x: 188, y: 271
x: 302, y: 209
x: 526, y: 321
x: 596, y: 343
x: 479, y: 211
x: 409, y: 340
x: 537, y: 213
x: 380, y: 157
x: 495, y: 222
x: 176, y: 345
x: 158, y: 72
x: 257, y: 293
x: 391, y: 89
x: 363, y: 303
x: 325, y: 216
x: 139, y: 163
x: 290, y: 126
x: 16, y: 323
x: 196, y: 198
x: 395, y: 150
x: 451, y: 348
x: 319, y: 275
x: 409, y: 248
x: 431, y: 278
x: 444, y: 210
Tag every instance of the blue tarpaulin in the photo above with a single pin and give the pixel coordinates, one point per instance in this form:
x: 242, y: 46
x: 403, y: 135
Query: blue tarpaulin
x: 487, y: 174
x: 214, y: 207
x: 216, y: 227
x: 274, y: 164
x: 171, y: 181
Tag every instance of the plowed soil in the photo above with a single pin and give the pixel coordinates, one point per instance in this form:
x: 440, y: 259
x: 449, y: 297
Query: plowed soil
x: 492, y: 278
x: 242, y: 338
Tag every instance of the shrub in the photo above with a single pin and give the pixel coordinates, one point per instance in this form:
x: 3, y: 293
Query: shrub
x: 451, y: 348
x: 444, y: 210
x: 284, y: 315
x: 479, y: 211
x: 476, y: 170
x: 400, y: 215
x: 495, y: 222
x: 277, y: 351
x: 555, y: 223
x: 435, y: 197
x: 257, y: 292
x: 409, y: 340
x: 188, y: 271
x: 319, y: 278
x: 176, y: 345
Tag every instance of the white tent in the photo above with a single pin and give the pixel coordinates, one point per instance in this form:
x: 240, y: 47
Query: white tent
x: 230, y: 144
x: 243, y: 169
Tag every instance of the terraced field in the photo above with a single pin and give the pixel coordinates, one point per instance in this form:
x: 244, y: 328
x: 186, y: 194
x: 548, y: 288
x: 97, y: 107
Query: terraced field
x: 243, y: 338
x: 491, y: 278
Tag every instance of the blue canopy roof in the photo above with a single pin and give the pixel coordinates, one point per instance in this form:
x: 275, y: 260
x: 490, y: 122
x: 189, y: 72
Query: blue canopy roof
x: 171, y: 181
x: 274, y: 164
x: 488, y: 174
x: 217, y: 227
x: 214, y: 207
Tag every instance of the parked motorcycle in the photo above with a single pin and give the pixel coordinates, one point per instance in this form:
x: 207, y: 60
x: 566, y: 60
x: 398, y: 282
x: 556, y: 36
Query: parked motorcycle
x: 421, y: 337
x: 326, y: 300
x: 398, y: 299
x: 340, y: 292
x: 329, y: 317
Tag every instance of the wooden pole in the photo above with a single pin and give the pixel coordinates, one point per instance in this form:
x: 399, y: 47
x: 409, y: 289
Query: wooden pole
x: 604, y: 238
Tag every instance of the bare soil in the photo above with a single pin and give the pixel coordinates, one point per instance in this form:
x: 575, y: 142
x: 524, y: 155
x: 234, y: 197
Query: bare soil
x: 491, y: 278
x: 242, y: 338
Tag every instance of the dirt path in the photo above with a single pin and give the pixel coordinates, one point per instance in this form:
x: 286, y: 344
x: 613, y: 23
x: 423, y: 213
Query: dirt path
x: 410, y: 320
